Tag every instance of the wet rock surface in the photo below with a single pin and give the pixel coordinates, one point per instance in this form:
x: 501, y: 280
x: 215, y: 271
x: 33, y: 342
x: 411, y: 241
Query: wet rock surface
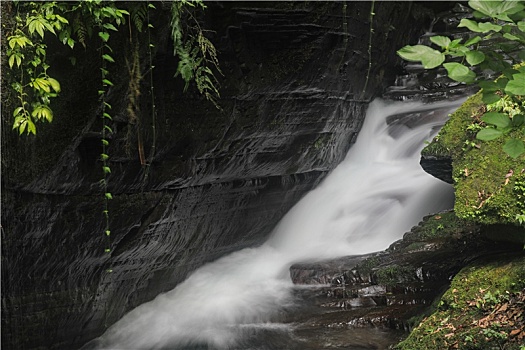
x: 387, y: 291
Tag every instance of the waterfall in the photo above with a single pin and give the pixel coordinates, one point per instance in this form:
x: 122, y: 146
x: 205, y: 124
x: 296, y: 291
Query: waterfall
x: 375, y: 195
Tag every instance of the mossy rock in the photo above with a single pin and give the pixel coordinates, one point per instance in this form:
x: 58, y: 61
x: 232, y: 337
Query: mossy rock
x: 489, y: 184
x: 482, y: 309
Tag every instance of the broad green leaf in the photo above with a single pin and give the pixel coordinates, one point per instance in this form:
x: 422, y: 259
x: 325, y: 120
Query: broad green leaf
x: 104, y: 36
x: 104, y: 156
x: 470, y: 24
x: 441, y: 41
x: 514, y: 148
x: 518, y: 120
x: 500, y: 120
x: 473, y: 40
x: 486, y: 27
x: 109, y: 26
x: 475, y: 57
x: 458, y: 72
x: 510, y: 7
x: 106, y: 169
x: 108, y: 195
x: 516, y: 86
x: 488, y: 85
x: 55, y: 85
x: 429, y: 57
x: 488, y: 134
x: 521, y: 26
x: 490, y: 98
x: 489, y: 8
x: 510, y: 37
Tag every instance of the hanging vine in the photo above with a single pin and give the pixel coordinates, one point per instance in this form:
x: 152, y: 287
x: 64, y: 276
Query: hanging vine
x: 77, y: 22
x: 371, y: 33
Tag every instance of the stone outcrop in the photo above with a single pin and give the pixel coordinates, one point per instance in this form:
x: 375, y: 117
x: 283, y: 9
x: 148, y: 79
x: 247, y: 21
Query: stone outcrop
x: 393, y: 289
x: 293, y: 100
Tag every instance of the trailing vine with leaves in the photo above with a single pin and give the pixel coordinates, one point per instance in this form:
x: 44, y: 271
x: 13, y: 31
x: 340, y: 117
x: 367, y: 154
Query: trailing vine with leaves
x: 76, y: 22
x: 496, y: 49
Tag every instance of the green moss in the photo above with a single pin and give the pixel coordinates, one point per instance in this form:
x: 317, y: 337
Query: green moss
x: 472, y: 312
x: 485, y: 177
x: 392, y: 275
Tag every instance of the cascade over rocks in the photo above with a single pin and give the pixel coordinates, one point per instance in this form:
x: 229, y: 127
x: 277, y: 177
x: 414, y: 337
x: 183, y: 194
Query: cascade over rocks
x: 292, y: 104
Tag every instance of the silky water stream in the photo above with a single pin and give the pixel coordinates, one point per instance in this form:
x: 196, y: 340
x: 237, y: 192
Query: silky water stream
x: 375, y: 195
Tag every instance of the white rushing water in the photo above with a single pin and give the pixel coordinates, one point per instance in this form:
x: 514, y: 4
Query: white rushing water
x: 375, y: 195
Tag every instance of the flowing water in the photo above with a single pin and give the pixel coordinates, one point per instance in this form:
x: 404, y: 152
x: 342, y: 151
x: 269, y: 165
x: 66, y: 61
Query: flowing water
x: 375, y: 195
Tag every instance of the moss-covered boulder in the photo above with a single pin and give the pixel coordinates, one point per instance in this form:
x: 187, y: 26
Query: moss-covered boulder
x: 482, y: 309
x: 489, y: 184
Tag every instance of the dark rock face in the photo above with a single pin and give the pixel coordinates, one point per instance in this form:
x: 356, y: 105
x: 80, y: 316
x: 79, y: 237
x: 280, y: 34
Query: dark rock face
x: 438, y: 166
x: 293, y: 101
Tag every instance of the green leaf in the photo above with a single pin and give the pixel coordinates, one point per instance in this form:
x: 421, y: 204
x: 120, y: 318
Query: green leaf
x: 107, y: 250
x: 429, y: 57
x: 489, y: 8
x: 31, y: 127
x: 108, y: 195
x: 106, y: 169
x: 473, y: 40
x: 474, y: 57
x: 108, y: 58
x: 490, y: 98
x: 42, y: 112
x: 106, y: 115
x: 17, y: 111
x: 105, y: 142
x: 12, y: 61
x: 488, y: 134
x: 470, y: 24
x: 521, y: 26
x: 110, y: 26
x: 107, y: 82
x: 500, y: 120
x: 108, y: 232
x: 55, y: 85
x: 106, y: 127
x: 510, y: 7
x: 104, y: 36
x: 518, y: 120
x: 151, y: 6
x: 514, y: 148
x: 486, y: 27
x: 441, y: 41
x: 516, y: 86
x: 511, y: 37
x: 104, y: 156
x: 458, y: 72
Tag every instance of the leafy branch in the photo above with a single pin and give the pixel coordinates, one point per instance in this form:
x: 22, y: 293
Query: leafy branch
x: 494, y: 49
